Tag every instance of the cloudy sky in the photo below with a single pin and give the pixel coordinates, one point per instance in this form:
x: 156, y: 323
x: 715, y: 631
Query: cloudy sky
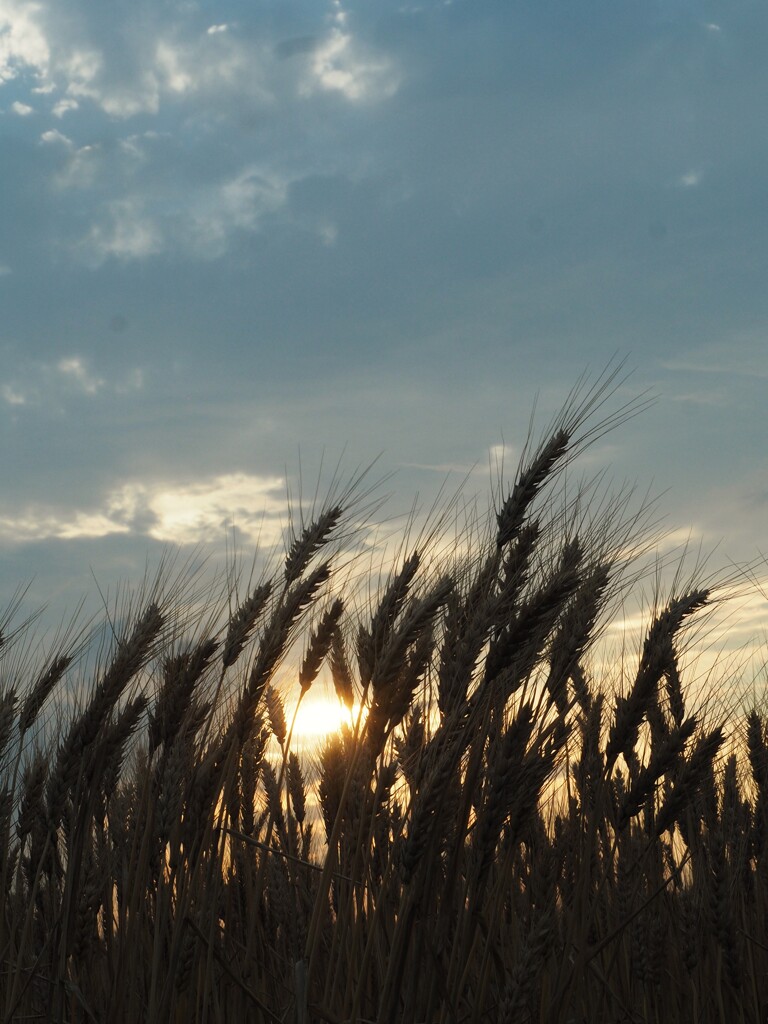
x: 230, y: 231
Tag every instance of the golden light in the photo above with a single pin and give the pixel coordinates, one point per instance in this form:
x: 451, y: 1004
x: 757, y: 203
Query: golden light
x: 319, y: 715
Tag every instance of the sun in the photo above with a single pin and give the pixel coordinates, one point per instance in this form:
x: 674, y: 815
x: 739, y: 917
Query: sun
x: 320, y: 715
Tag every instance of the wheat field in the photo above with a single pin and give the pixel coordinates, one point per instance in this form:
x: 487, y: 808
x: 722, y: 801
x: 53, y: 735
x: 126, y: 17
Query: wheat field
x: 509, y: 830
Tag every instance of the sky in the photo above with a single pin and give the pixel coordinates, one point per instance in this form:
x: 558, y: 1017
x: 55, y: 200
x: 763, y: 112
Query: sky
x: 240, y: 240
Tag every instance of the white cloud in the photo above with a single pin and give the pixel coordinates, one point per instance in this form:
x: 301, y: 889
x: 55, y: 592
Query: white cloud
x: 22, y: 40
x: 63, y: 57
x: 78, y: 168
x: 27, y: 39
x: 178, y: 73
x: 73, y: 368
x: 87, y: 75
x: 183, y: 513
x: 127, y: 233
x: 339, y: 65
x: 63, y: 107
x: 131, y: 147
x: 80, y: 67
x: 218, y: 63
x: 690, y: 179
x: 112, y: 166
x: 141, y: 97
x: 503, y: 461
x: 55, y: 137
x: 339, y: 14
x: 712, y: 399
x: 81, y: 168
x: 167, y: 58
x: 236, y: 205
x: 12, y: 396
x: 57, y: 384
x: 503, y: 456
x: 200, y: 224
x: 188, y: 514
x: 740, y: 354
x: 22, y: 109
x: 35, y: 524
x: 328, y: 233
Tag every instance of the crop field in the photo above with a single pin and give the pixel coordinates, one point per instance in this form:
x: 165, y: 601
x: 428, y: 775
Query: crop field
x: 508, y: 829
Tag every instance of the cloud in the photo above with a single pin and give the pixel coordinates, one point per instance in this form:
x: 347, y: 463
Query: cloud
x: 141, y: 96
x: 239, y: 204
x: 132, y: 64
x: 188, y: 514
x: 742, y: 354
x: 177, y: 513
x: 80, y: 68
x: 712, y: 399
x: 22, y: 109
x: 36, y: 524
x: 200, y: 222
x: 690, y: 179
x: 64, y: 106
x: 112, y: 165
x: 126, y: 232
x: 73, y: 368
x: 214, y: 64
x: 54, y: 385
x: 80, y: 169
x: 340, y: 64
x: 23, y: 43
x: 54, y: 137
x: 178, y: 72
x: 503, y: 457
x: 12, y: 396
x: 126, y: 65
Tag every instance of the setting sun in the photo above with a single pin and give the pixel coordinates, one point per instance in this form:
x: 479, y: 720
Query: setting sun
x: 319, y: 715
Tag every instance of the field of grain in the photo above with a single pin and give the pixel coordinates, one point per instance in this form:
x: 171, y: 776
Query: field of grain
x: 508, y: 832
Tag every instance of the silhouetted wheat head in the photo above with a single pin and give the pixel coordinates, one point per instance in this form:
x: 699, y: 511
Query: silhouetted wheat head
x: 504, y: 833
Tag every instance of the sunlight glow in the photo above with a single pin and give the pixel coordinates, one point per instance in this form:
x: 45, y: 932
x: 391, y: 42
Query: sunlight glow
x: 318, y: 716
